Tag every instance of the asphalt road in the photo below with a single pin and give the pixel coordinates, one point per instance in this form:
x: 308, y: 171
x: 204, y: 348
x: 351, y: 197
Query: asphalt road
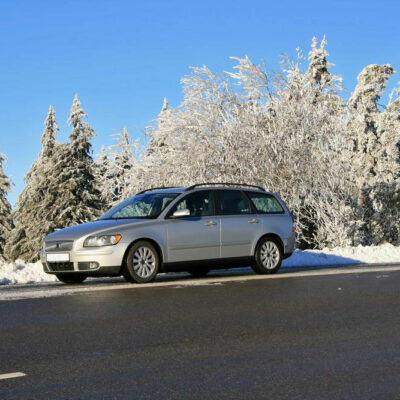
x: 302, y: 337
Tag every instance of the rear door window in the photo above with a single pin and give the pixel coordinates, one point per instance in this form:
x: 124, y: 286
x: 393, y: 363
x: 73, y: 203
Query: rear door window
x: 265, y: 203
x: 233, y: 202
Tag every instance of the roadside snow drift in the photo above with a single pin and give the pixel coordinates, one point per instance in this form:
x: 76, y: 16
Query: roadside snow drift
x: 22, y: 273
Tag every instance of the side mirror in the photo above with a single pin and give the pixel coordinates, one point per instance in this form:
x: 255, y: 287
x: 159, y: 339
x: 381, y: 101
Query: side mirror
x: 181, y: 213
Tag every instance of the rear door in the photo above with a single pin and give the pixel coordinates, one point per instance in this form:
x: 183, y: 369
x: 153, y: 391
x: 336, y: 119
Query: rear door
x: 196, y: 237
x: 240, y: 227
x: 272, y: 214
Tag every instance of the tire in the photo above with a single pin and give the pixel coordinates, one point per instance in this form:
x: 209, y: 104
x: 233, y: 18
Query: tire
x: 71, y: 278
x: 268, y: 256
x: 199, y: 272
x: 142, y: 263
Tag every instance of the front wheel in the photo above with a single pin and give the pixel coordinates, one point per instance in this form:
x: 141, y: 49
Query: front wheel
x: 268, y: 256
x: 142, y: 263
x: 71, y: 278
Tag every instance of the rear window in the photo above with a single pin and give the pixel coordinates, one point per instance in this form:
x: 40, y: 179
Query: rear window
x: 265, y: 203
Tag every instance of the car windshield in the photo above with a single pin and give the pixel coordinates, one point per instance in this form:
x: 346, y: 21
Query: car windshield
x: 147, y: 205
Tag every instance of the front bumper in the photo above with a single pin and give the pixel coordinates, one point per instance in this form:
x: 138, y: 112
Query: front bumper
x: 103, y: 261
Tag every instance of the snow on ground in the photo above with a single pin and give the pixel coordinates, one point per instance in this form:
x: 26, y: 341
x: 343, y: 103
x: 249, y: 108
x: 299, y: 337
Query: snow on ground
x: 21, y: 272
x: 385, y: 253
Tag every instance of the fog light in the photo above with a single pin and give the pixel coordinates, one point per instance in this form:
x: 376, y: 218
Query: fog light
x: 93, y: 265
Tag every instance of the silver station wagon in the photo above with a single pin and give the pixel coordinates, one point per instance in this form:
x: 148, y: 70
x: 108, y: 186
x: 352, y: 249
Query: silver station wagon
x: 195, y: 229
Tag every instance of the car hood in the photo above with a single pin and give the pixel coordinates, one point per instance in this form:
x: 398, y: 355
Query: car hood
x: 96, y: 227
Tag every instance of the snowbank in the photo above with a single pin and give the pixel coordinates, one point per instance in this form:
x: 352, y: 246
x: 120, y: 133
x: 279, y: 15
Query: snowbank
x: 385, y: 253
x: 20, y: 272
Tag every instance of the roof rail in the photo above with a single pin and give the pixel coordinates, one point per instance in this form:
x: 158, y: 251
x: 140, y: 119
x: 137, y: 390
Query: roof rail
x: 157, y: 188
x: 225, y: 184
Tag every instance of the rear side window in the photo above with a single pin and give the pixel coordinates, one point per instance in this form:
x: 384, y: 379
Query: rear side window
x: 265, y: 203
x: 233, y: 202
x: 200, y: 204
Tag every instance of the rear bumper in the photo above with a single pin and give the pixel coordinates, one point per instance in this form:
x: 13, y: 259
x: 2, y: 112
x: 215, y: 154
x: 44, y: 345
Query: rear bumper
x: 91, y: 262
x: 290, y: 245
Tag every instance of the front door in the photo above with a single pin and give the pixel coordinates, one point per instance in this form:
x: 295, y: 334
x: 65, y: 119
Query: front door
x: 197, y: 236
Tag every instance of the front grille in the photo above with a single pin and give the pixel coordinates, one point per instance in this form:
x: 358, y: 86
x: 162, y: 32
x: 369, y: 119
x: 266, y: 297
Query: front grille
x: 58, y: 245
x: 60, y: 266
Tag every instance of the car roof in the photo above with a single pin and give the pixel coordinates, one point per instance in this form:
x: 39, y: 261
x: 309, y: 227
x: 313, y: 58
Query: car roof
x: 246, y: 189
x: 166, y: 190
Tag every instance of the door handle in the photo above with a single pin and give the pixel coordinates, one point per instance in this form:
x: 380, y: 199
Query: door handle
x: 210, y: 223
x: 253, y: 221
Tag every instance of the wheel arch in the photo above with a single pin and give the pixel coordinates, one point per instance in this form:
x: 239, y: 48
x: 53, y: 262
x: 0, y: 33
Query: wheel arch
x: 273, y: 236
x: 147, y: 239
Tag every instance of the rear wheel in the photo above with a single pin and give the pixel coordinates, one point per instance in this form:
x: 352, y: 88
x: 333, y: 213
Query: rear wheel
x: 71, y: 278
x: 268, y: 257
x: 199, y: 272
x: 142, y: 263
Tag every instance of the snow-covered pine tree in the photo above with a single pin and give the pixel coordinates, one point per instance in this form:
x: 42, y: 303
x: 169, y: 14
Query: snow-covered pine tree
x: 318, y: 68
x: 123, y: 163
x: 101, y: 167
x: 158, y: 162
x: 30, y: 214
x: 117, y: 168
x: 370, y: 156
x: 158, y: 134
x: 78, y: 197
x: 5, y: 208
x: 374, y: 137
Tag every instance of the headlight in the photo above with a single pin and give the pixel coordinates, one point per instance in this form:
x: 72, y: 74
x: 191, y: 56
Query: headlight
x: 98, y: 241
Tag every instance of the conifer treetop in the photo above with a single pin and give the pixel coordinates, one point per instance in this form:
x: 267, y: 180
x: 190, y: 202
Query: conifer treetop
x: 81, y: 133
x: 49, y: 135
x: 318, y: 69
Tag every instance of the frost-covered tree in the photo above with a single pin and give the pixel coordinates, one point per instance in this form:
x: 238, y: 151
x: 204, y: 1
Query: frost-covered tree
x: 30, y: 215
x: 101, y: 167
x: 374, y: 137
x: 124, y: 162
x: 187, y: 146
x: 245, y: 127
x: 375, y: 151
x: 72, y: 178
x: 159, y: 133
x: 5, y: 207
x: 306, y: 162
x: 318, y: 69
x: 116, y: 168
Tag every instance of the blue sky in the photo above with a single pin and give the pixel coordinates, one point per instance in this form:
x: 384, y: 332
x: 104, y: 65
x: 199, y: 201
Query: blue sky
x: 123, y: 57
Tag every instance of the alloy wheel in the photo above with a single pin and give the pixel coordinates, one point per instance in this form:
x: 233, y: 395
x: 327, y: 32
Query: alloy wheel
x: 143, y: 262
x: 269, y: 255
